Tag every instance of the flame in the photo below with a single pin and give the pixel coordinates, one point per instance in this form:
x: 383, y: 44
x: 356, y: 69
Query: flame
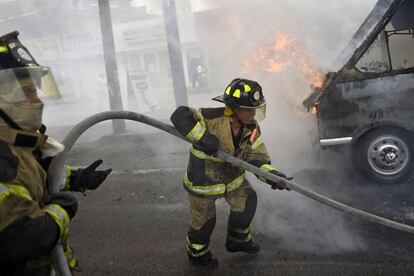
x: 282, y: 54
x: 313, y: 110
x: 314, y: 76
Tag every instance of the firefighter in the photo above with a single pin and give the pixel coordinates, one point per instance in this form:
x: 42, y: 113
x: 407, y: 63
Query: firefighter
x: 32, y: 221
x: 232, y: 129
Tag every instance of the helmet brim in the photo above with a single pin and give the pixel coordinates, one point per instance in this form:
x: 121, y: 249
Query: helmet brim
x: 253, y: 107
x: 219, y: 99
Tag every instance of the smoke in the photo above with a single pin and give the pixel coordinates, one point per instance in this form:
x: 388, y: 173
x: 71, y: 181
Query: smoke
x: 316, y: 33
x: 228, y: 35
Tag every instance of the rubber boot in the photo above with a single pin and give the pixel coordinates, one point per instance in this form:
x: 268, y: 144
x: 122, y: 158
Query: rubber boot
x: 207, y: 260
x: 249, y: 247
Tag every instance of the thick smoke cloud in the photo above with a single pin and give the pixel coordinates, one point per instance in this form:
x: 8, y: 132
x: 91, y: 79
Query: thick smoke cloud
x: 317, y: 31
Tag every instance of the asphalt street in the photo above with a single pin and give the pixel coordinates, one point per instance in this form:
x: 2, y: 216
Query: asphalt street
x: 135, y: 224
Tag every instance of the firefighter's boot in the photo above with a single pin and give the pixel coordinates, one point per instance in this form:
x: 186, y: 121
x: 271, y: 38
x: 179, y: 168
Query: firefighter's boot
x: 249, y: 247
x: 207, y: 260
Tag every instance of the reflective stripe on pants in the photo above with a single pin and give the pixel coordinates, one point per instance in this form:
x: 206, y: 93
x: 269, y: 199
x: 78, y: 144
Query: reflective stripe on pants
x: 195, y: 249
x: 214, y: 189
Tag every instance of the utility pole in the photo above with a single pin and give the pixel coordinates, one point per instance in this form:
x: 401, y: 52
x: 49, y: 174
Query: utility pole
x: 111, y: 68
x: 174, y: 52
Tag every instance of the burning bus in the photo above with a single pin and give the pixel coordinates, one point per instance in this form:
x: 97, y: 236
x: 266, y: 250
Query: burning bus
x: 366, y: 103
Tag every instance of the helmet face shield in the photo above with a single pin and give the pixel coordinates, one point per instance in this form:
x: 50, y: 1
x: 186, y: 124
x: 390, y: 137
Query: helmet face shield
x: 248, y: 115
x: 48, y: 86
x: 27, y: 84
x: 260, y: 113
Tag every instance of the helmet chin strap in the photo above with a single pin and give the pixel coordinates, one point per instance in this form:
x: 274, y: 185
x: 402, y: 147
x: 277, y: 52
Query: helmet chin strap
x: 21, y: 138
x: 9, y: 120
x: 14, y: 125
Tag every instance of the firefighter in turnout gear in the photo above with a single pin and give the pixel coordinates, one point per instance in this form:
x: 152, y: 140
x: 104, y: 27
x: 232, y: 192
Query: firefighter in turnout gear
x: 32, y: 221
x: 234, y: 130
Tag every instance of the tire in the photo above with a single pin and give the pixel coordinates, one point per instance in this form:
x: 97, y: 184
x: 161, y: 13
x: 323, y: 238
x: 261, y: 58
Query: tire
x: 385, y: 155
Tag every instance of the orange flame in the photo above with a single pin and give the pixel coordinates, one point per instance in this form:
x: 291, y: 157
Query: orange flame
x: 284, y: 53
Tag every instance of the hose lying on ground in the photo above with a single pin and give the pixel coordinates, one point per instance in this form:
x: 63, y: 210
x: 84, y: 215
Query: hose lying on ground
x: 59, y: 162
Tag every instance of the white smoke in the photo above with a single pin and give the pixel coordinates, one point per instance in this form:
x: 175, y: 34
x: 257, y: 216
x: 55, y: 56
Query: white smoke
x: 321, y: 29
x: 229, y: 33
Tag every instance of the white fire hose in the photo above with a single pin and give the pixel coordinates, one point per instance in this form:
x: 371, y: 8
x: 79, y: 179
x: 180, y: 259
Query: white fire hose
x: 59, y: 261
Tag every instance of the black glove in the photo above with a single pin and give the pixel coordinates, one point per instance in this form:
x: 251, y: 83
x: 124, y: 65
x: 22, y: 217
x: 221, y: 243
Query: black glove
x: 88, y: 178
x: 208, y: 144
x: 280, y: 185
x: 65, y: 200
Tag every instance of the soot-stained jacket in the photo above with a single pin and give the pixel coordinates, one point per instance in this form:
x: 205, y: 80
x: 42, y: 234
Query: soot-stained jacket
x: 207, y: 175
x: 29, y: 226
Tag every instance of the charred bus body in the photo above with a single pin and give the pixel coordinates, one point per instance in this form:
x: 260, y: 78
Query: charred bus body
x: 367, y: 101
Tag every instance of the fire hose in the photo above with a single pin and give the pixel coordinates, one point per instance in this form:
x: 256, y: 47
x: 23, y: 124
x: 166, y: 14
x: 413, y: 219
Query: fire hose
x: 59, y: 261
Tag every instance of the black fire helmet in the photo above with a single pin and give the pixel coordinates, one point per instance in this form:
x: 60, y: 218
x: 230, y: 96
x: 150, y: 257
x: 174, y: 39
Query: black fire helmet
x: 242, y: 93
x: 13, y: 54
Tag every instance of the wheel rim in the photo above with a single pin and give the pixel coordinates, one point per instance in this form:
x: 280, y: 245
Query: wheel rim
x: 388, y: 155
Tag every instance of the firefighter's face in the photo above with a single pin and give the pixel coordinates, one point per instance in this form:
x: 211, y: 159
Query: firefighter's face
x: 30, y: 93
x: 245, y: 115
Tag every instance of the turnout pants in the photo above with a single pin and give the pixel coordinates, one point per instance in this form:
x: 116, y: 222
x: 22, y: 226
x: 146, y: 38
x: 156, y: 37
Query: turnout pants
x: 242, y: 201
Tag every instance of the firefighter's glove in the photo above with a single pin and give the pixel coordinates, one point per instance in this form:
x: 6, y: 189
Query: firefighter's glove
x: 209, y: 144
x: 88, y: 178
x: 281, y: 184
x: 65, y: 200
